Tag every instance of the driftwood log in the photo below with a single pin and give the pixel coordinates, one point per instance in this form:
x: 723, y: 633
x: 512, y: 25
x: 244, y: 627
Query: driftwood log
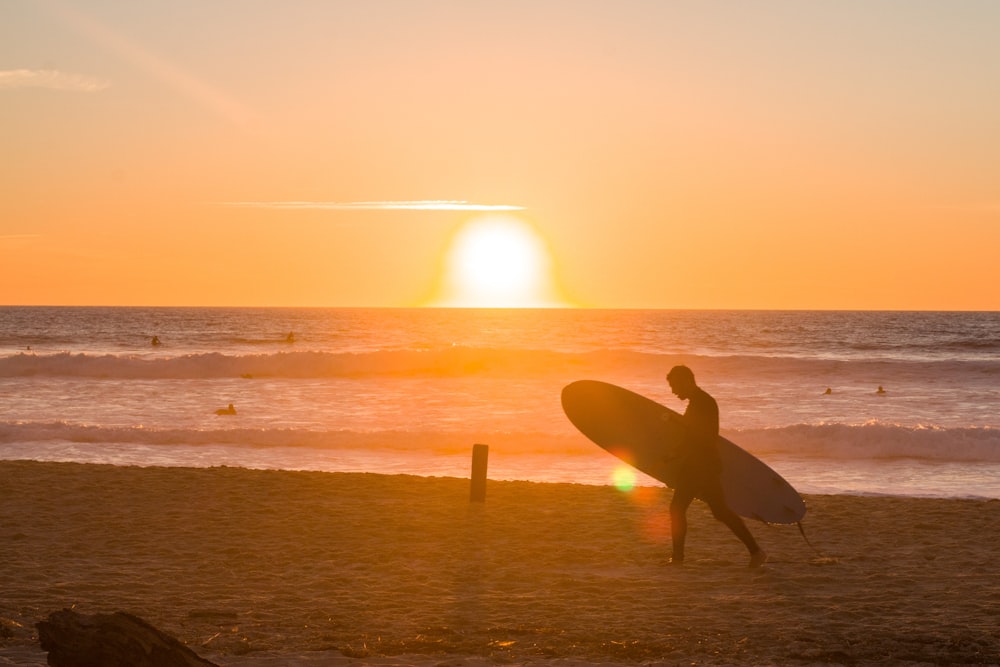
x: 111, y: 640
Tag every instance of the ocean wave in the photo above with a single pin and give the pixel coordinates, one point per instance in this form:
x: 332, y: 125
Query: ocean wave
x: 434, y: 442
x: 872, y: 441
x: 450, y: 361
x: 454, y: 361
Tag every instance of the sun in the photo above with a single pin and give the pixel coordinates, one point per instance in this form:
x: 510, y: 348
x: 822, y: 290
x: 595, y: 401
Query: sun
x: 498, y: 261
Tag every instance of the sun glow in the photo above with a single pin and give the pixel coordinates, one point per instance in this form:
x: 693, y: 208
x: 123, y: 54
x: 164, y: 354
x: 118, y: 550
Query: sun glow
x: 498, y: 261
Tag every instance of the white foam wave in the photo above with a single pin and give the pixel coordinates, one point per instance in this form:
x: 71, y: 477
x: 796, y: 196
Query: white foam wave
x: 873, y: 441
x: 445, y: 442
x: 452, y: 361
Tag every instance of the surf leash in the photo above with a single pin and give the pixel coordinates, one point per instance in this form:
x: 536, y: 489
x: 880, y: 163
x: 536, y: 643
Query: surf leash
x: 802, y: 530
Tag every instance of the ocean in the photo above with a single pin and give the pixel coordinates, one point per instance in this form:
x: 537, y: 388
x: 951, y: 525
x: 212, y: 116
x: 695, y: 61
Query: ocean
x: 410, y: 391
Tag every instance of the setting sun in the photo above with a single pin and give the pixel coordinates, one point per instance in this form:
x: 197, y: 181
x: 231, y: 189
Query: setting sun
x: 498, y: 261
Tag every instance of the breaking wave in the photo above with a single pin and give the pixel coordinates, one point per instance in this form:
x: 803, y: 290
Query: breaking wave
x: 871, y: 441
x: 874, y: 440
x: 443, y: 362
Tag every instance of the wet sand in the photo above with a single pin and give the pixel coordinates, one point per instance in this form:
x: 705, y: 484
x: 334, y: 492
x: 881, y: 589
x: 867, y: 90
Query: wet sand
x: 261, y: 568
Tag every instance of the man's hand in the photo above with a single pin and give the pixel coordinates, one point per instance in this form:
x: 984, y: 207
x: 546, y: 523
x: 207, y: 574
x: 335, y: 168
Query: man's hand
x: 672, y: 418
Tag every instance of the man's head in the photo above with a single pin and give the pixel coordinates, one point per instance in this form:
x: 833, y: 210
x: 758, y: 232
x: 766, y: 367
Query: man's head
x: 681, y: 380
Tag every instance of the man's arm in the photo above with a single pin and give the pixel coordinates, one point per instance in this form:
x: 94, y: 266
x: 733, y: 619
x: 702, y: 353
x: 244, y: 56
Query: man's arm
x: 701, y: 419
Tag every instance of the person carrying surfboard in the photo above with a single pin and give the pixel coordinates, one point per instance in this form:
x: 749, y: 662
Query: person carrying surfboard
x: 701, y: 467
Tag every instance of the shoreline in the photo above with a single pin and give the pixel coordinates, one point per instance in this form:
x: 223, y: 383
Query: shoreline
x: 265, y: 567
x: 908, y: 478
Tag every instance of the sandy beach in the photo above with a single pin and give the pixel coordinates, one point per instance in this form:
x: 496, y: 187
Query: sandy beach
x: 257, y: 568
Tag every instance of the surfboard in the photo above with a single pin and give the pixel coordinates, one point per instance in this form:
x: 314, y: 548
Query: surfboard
x: 638, y: 430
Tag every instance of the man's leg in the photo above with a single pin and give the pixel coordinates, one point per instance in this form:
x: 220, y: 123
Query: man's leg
x: 716, y: 499
x: 678, y: 522
x: 735, y: 524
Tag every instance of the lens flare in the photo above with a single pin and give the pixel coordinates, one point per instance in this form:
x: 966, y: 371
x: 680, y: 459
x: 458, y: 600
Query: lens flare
x: 623, y: 478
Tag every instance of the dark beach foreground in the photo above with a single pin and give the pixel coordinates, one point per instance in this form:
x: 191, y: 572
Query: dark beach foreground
x: 257, y: 568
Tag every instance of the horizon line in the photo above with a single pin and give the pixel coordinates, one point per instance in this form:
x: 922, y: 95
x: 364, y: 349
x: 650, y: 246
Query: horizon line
x: 405, y: 205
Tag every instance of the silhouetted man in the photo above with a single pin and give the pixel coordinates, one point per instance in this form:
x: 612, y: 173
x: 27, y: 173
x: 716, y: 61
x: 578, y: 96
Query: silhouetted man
x: 701, y: 468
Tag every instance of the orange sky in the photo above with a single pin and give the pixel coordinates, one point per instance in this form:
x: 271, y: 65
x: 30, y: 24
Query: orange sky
x: 670, y: 155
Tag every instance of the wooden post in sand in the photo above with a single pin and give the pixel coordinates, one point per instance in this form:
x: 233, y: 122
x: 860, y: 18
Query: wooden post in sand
x: 480, y: 455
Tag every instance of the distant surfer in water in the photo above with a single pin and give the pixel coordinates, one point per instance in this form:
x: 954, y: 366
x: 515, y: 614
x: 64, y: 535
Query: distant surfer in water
x: 226, y: 411
x: 701, y: 467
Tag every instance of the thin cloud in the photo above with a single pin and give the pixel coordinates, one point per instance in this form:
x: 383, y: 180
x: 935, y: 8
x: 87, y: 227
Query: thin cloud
x: 420, y: 205
x: 51, y: 79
